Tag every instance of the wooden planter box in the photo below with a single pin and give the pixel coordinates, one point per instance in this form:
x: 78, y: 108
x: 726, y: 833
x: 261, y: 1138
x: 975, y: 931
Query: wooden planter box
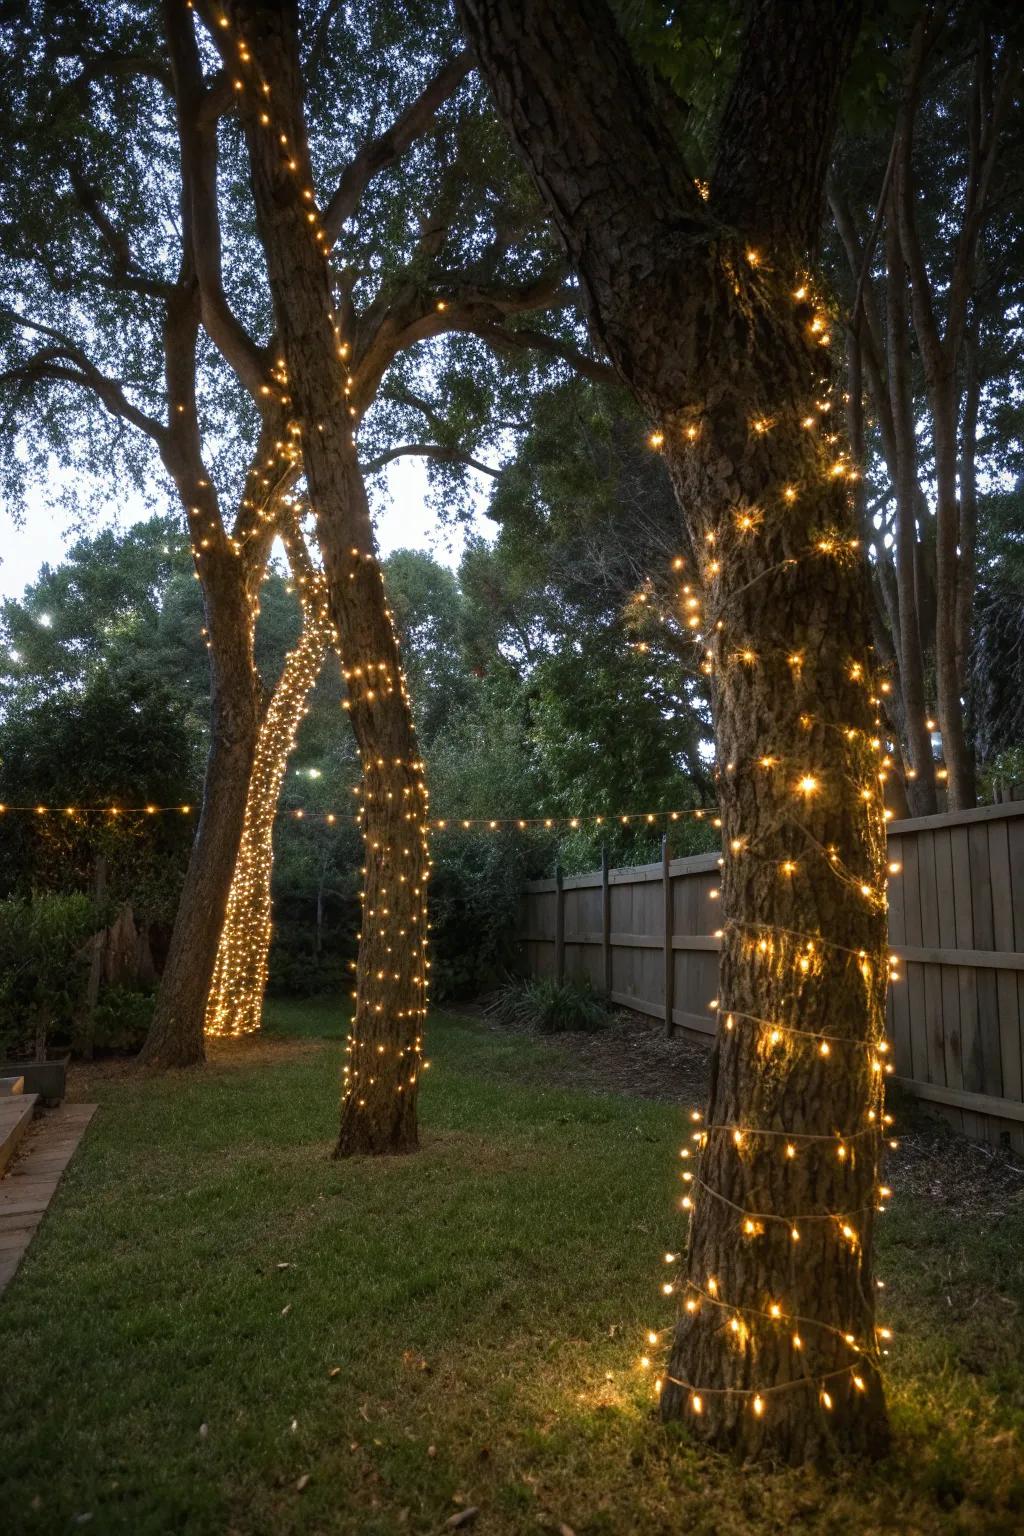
x: 47, y: 1078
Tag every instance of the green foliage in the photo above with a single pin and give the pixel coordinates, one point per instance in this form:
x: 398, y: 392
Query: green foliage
x: 43, y: 962
x: 549, y: 1006
x: 120, y: 1020
x: 474, y: 895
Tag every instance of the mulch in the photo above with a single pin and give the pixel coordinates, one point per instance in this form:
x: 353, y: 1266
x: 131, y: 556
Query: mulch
x: 632, y: 1056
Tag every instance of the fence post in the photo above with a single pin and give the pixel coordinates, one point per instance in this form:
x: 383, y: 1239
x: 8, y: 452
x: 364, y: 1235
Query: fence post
x: 559, y: 925
x: 606, y: 921
x: 670, y: 965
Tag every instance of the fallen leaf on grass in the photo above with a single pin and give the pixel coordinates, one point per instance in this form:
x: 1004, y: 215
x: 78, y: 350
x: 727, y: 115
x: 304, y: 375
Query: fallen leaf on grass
x: 303, y: 1480
x: 335, y: 1370
x: 461, y: 1517
x: 204, y: 1430
x: 286, y: 1310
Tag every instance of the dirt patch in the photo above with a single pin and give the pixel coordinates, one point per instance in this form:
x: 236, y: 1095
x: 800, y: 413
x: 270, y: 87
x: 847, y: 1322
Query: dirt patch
x: 221, y: 1055
x: 632, y: 1056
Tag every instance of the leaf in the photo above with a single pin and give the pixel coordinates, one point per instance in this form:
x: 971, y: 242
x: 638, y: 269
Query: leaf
x: 302, y: 1482
x: 461, y: 1517
x: 204, y: 1430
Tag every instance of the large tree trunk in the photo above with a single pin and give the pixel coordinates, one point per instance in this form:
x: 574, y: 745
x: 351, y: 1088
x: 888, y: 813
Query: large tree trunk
x: 776, y: 1349
x: 175, y: 1037
x: 385, y: 1043
x: 235, y: 1002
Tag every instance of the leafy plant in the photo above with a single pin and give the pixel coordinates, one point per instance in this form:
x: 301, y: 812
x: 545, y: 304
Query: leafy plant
x: 43, y: 962
x: 551, y: 1007
x: 121, y: 1019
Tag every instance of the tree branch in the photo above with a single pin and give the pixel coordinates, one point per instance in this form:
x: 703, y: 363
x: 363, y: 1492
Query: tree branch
x: 501, y: 339
x: 429, y: 451
x: 414, y: 316
x: 384, y: 150
x: 64, y: 362
x: 198, y: 140
x: 983, y: 151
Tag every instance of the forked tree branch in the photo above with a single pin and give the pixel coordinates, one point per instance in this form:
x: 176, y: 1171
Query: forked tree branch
x: 65, y: 362
x: 384, y: 150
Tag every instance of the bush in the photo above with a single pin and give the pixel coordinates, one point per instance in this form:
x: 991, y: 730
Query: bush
x: 43, y: 963
x: 121, y: 1020
x: 549, y: 1006
x: 474, y: 895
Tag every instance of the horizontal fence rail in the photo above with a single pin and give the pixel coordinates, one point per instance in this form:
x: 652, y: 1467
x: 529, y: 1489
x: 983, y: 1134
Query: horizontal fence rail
x: 956, y: 920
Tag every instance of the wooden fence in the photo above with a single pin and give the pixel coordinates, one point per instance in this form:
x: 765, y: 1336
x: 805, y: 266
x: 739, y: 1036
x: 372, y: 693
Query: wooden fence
x: 956, y: 919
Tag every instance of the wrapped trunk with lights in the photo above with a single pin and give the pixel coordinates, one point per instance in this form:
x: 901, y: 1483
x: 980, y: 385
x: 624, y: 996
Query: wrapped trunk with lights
x: 229, y: 567
x: 384, y: 1054
x: 701, y: 296
x: 235, y: 1003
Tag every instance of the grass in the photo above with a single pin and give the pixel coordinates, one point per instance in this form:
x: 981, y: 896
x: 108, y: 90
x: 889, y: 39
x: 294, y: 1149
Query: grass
x: 458, y: 1328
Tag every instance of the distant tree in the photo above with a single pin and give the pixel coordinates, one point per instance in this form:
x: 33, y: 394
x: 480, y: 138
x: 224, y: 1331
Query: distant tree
x: 925, y: 195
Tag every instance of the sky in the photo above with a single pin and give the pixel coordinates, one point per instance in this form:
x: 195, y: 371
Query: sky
x: 403, y: 518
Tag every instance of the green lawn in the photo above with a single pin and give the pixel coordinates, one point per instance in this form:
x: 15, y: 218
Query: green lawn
x: 213, y: 1311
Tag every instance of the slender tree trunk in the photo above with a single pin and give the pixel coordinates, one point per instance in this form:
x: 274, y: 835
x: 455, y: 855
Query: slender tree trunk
x: 717, y: 335
x: 92, y: 986
x: 959, y: 759
x: 235, y: 1002
x: 968, y: 510
x: 385, y: 1043
x: 175, y: 1037
x: 318, y: 933
x: 921, y: 788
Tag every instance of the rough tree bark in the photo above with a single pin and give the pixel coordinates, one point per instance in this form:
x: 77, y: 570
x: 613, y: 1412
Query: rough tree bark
x: 385, y: 1043
x: 708, y: 313
x: 235, y: 1002
x: 230, y: 568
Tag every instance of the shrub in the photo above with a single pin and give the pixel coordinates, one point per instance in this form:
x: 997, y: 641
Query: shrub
x: 43, y: 964
x: 549, y: 1006
x: 121, y: 1020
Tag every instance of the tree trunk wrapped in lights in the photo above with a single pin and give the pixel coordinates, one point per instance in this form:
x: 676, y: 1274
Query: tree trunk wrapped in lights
x: 230, y: 568
x: 235, y: 1003
x: 707, y: 309
x: 385, y: 1043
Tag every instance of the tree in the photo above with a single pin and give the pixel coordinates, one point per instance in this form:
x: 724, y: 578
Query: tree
x: 334, y: 355
x: 102, y: 283
x: 927, y: 297
x: 710, y: 312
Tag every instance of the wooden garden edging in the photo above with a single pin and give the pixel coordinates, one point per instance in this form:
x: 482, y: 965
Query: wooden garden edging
x: 956, y: 919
